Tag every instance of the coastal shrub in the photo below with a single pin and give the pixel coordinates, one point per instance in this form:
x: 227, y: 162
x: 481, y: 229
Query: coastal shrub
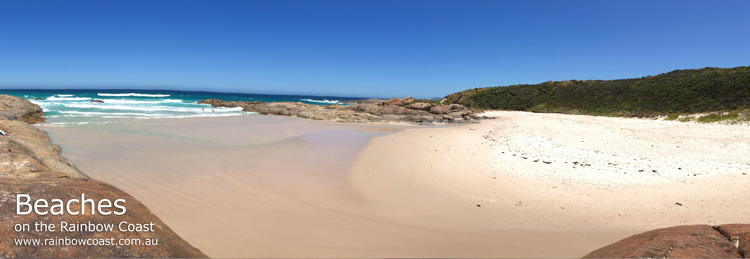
x: 676, y: 92
x: 673, y: 116
x: 710, y: 118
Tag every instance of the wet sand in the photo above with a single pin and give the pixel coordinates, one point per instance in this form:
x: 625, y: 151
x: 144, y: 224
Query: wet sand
x: 269, y: 186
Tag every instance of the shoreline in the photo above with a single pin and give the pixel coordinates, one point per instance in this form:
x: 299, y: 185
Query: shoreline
x: 415, y: 191
x: 192, y: 171
x: 32, y: 167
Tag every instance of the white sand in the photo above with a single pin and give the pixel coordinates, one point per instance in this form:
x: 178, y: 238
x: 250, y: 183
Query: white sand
x: 500, y: 165
x: 267, y: 186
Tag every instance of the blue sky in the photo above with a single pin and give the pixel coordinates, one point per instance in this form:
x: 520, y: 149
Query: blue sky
x: 357, y: 47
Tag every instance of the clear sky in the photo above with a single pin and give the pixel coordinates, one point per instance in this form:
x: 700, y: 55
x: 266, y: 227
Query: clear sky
x: 358, y: 47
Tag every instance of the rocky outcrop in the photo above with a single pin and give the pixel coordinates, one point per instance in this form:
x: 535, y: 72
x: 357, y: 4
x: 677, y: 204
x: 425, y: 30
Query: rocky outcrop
x: 28, y: 154
x: 169, y: 243
x: 406, y: 110
x: 97, y: 101
x: 365, y: 101
x: 16, y: 108
x: 400, y: 102
x: 30, y: 164
x: 695, y: 241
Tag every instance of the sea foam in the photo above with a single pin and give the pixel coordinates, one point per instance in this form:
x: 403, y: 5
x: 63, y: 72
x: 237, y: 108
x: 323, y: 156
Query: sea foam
x: 134, y: 95
x: 321, y: 101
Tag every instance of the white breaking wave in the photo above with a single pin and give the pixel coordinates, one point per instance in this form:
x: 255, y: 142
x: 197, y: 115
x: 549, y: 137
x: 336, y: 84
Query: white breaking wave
x: 64, y: 98
x: 65, y: 95
x: 321, y: 101
x: 121, y: 114
x: 123, y: 101
x: 106, y: 106
x: 134, y: 94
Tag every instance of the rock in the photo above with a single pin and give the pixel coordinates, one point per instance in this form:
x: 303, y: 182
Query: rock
x: 400, y: 102
x: 27, y: 154
x: 213, y: 102
x: 420, y: 106
x: 739, y: 234
x: 394, y: 101
x: 365, y: 101
x: 440, y: 109
x: 169, y: 243
x: 682, y: 242
x: 97, y: 101
x: 364, y: 112
x: 30, y: 164
x: 17, y: 108
x: 38, y: 99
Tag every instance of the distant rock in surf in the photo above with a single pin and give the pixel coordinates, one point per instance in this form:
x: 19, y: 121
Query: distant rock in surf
x: 97, y: 101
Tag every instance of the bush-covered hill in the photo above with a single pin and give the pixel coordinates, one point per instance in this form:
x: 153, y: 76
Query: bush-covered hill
x: 679, y: 91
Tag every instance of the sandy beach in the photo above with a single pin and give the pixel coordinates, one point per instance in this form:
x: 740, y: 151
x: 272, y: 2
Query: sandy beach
x: 519, y: 185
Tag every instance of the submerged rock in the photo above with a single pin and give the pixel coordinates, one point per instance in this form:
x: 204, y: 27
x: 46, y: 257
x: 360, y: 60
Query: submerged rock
x: 97, y: 101
x: 694, y: 241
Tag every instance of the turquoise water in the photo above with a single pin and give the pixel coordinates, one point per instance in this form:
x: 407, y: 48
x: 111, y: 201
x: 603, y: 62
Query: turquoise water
x: 70, y: 107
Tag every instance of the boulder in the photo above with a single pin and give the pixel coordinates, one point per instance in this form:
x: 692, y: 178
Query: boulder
x: 440, y: 109
x: 212, y: 102
x: 400, y: 102
x: 394, y: 101
x: 693, y: 241
x: 97, y: 101
x: 420, y: 106
x: 27, y: 153
x: 17, y: 108
x: 169, y: 243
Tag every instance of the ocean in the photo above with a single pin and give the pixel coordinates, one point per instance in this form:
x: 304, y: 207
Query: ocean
x: 75, y: 107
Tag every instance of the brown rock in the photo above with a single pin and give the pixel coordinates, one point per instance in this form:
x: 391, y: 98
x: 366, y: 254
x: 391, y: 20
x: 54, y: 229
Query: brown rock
x: 394, y: 101
x: 17, y: 108
x: 365, y: 101
x: 738, y: 234
x: 400, y: 102
x: 365, y: 112
x: 420, y: 106
x: 27, y: 153
x: 169, y: 243
x: 212, y: 102
x: 695, y: 241
x: 440, y: 109
x: 97, y: 101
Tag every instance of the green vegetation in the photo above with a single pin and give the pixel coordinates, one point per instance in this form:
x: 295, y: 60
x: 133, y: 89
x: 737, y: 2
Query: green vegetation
x: 673, y: 94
